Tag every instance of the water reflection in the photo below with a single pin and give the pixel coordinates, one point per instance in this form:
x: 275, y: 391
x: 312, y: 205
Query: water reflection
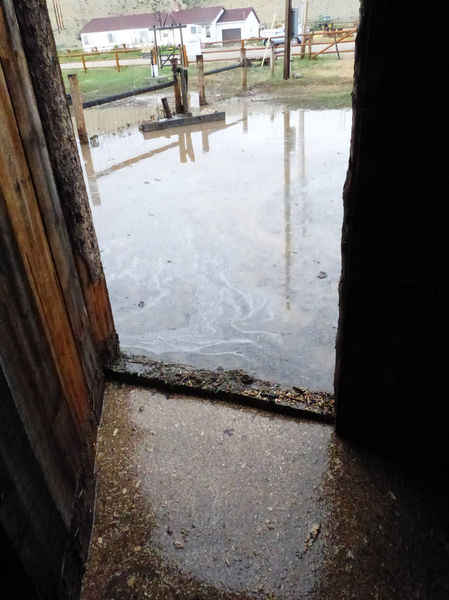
x: 213, y: 238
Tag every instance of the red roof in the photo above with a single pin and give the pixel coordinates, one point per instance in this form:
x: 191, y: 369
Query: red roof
x: 196, y: 16
x: 143, y: 21
x: 236, y: 14
x: 189, y: 16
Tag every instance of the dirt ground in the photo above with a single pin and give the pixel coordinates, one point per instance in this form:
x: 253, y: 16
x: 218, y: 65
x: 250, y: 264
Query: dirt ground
x: 324, y: 83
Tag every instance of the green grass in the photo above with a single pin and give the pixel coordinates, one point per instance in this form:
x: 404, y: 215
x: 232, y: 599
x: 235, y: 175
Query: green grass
x: 98, y: 83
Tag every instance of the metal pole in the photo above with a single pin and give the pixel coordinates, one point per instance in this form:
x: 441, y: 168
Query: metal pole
x: 157, y: 49
x: 287, y: 38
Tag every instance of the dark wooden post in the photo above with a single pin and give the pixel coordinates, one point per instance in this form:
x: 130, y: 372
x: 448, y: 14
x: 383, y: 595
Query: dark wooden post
x: 77, y: 103
x: 288, y: 37
x: 167, y: 110
x: 117, y: 61
x: 244, y: 66
x: 201, y: 79
x: 184, y: 90
x: 178, y: 99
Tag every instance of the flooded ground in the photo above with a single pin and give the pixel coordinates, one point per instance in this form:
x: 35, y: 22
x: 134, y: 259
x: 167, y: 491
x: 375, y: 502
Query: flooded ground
x: 220, y: 242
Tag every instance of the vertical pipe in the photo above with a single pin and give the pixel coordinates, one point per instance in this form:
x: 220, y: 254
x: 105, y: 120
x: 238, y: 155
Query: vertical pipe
x: 287, y: 38
x: 159, y: 64
x: 77, y: 103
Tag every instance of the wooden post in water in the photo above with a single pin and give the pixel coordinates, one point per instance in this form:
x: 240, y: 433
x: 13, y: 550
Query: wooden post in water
x: 273, y: 60
x: 201, y: 79
x: 244, y: 67
x: 178, y: 100
x: 167, y: 110
x: 77, y: 103
x: 185, y: 90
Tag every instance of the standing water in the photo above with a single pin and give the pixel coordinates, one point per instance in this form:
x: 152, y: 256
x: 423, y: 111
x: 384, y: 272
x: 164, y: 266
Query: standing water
x: 221, y: 242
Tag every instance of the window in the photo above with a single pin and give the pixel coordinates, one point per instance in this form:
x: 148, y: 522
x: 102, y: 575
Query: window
x: 111, y: 38
x: 193, y: 29
x: 86, y: 40
x: 208, y: 31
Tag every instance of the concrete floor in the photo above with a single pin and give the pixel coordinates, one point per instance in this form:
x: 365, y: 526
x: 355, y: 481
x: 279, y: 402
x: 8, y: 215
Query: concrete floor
x: 204, y: 500
x: 221, y: 243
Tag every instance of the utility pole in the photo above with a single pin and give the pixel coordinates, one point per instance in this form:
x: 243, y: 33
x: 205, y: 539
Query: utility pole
x: 287, y: 38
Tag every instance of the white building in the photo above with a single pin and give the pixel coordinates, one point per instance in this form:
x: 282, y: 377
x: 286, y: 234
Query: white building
x: 195, y: 25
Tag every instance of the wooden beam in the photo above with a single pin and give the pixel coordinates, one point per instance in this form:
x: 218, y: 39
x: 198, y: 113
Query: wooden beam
x: 35, y: 147
x: 41, y: 56
x: 77, y: 104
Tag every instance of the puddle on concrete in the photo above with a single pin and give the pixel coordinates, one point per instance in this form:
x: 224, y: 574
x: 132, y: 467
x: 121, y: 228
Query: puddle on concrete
x: 206, y: 501
x: 220, y: 243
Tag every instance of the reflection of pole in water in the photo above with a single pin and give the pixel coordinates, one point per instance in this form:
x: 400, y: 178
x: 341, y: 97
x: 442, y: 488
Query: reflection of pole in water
x: 302, y: 148
x: 303, y: 171
x: 91, y: 176
x: 182, y: 147
x: 185, y: 147
x: 287, y: 207
x: 245, y: 118
x: 189, y: 145
x: 205, y: 140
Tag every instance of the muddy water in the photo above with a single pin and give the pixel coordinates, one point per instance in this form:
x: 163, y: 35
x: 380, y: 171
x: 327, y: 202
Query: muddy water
x: 221, y: 242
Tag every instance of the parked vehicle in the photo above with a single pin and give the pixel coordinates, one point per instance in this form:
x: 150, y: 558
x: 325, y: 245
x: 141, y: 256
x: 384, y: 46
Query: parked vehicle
x: 279, y: 40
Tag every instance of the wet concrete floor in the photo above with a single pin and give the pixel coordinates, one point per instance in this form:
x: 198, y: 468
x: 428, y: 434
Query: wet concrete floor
x: 221, y: 242
x: 204, y: 500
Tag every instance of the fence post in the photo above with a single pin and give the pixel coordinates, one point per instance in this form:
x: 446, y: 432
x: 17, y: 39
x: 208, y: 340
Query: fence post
x: 117, y: 61
x: 273, y: 60
x: 83, y: 60
x: 185, y: 57
x: 185, y: 90
x: 244, y: 69
x: 201, y: 79
x: 310, y: 44
x: 178, y: 101
x: 77, y: 103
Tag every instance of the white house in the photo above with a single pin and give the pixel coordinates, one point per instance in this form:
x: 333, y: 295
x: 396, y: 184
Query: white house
x: 194, y: 25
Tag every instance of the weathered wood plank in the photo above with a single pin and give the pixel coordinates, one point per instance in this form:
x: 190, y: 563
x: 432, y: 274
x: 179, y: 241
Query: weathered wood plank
x: 182, y: 121
x: 41, y: 56
x: 27, y: 116
x: 33, y: 379
x: 23, y: 213
x: 28, y: 516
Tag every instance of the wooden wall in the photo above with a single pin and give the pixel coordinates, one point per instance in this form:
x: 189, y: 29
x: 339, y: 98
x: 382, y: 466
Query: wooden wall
x: 56, y: 326
x: 392, y: 349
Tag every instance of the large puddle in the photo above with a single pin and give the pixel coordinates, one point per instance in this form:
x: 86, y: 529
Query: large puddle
x: 221, y: 242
